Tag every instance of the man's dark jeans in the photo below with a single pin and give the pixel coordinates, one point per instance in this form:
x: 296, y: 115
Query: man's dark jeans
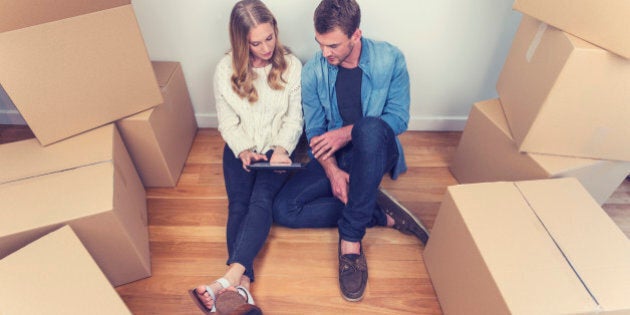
x: 307, y: 201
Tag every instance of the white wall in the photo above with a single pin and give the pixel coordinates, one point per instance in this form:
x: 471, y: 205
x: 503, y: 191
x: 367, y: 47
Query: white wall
x: 454, y: 48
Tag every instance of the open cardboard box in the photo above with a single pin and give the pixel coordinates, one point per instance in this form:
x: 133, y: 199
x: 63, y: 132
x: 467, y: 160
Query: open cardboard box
x: 564, y: 96
x: 74, y: 65
x: 56, y: 275
x: 601, y: 22
x: 530, y: 247
x: 486, y: 153
x: 159, y: 139
x: 88, y: 182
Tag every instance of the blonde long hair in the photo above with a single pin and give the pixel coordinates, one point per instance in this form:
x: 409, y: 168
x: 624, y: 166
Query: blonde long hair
x: 245, y: 15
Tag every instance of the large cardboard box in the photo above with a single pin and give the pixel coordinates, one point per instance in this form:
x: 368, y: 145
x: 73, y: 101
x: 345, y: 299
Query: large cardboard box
x: 56, y: 275
x: 160, y: 138
x: 88, y: 182
x: 531, y: 247
x: 565, y: 96
x: 487, y: 153
x: 603, y: 23
x: 74, y: 65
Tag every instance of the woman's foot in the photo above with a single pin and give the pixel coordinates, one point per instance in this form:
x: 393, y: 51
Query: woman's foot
x: 206, y: 295
x: 235, y: 298
x: 245, y: 282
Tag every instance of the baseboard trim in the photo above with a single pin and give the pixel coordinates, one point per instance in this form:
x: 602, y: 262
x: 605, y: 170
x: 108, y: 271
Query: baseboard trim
x: 11, y: 117
x: 450, y: 123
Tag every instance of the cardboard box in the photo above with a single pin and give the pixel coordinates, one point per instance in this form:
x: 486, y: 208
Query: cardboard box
x: 487, y: 153
x: 72, y: 66
x: 56, y: 275
x: 160, y: 138
x: 603, y: 23
x: 531, y: 247
x: 565, y: 96
x: 88, y: 182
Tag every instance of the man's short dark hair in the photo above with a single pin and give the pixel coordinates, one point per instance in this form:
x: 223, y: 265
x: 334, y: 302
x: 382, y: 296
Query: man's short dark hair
x: 344, y: 14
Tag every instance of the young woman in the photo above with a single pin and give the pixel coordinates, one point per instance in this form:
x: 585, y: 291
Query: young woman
x: 257, y: 91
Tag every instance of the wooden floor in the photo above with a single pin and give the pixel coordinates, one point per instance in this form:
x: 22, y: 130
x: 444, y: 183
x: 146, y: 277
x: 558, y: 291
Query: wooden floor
x: 297, y: 269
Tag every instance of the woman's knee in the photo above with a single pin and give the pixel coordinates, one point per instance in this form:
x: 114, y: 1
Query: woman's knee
x: 283, y: 213
x: 238, y: 208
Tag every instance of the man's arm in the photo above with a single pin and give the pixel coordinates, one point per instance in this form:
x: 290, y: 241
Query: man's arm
x: 319, y: 139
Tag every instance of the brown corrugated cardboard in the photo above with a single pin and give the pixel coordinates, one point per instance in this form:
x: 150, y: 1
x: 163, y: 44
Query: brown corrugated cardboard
x: 88, y: 182
x: 486, y: 153
x: 532, y: 247
x: 56, y: 275
x: 74, y: 66
x: 160, y: 138
x: 565, y: 96
x: 25, y: 13
x: 603, y: 23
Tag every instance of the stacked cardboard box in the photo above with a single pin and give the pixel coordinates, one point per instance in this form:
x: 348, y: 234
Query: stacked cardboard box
x: 72, y: 66
x: 73, y: 69
x: 565, y: 96
x: 56, y: 275
x: 88, y: 182
x: 561, y: 96
x: 531, y: 247
x: 160, y: 138
x: 487, y: 152
x: 543, y: 246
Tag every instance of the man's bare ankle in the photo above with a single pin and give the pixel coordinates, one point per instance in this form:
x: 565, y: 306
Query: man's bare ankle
x: 350, y: 247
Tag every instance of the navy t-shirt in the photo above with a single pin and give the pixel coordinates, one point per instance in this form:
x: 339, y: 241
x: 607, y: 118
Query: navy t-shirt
x: 348, y: 87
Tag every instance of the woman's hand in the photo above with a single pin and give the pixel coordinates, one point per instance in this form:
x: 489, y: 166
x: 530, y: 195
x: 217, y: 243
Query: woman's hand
x: 280, y: 156
x: 248, y: 157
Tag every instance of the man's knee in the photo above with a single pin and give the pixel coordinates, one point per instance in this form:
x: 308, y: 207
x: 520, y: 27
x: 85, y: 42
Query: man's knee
x: 371, y: 132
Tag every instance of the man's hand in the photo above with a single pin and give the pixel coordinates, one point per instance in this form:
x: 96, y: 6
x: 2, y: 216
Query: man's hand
x: 339, y: 179
x: 325, y: 145
x: 248, y: 157
x: 339, y: 182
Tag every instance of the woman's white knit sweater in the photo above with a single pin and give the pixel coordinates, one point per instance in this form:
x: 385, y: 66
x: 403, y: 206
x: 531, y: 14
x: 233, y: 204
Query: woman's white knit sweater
x: 274, y: 120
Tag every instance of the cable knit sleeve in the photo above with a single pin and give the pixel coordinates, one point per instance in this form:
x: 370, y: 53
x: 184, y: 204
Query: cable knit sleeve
x: 229, y: 121
x: 292, y: 120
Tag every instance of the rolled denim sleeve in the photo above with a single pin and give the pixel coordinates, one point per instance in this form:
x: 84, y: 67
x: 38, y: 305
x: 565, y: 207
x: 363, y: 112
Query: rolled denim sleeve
x: 396, y: 109
x: 314, y: 113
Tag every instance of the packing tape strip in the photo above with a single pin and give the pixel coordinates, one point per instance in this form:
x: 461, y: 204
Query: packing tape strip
x: 542, y: 27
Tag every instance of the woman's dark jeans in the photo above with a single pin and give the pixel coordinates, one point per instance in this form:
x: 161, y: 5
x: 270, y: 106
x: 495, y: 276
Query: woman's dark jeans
x: 250, y: 197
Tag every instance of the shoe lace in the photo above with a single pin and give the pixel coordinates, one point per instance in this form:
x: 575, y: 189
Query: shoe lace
x: 351, y: 265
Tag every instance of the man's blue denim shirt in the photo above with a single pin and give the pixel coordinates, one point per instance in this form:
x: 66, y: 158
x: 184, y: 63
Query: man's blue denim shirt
x: 384, y: 92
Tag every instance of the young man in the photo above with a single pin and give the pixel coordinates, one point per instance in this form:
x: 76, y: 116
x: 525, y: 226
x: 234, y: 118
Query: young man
x: 355, y: 98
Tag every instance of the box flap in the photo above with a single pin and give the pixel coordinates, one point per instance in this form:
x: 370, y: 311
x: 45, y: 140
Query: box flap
x: 16, y: 14
x: 27, y: 158
x: 59, y: 266
x: 164, y: 71
x: 593, y: 244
